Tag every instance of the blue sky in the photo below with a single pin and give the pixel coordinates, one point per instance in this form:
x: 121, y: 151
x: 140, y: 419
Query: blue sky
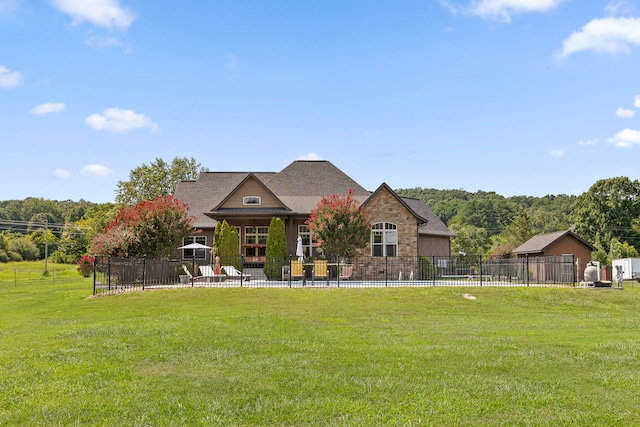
x: 520, y: 97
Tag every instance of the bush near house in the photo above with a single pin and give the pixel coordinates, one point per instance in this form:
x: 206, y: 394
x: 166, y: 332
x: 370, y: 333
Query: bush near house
x: 85, y: 265
x: 276, y: 250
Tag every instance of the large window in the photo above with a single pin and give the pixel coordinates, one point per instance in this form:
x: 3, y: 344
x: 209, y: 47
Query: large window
x: 194, y: 253
x: 255, y: 241
x: 384, y: 239
x: 256, y: 235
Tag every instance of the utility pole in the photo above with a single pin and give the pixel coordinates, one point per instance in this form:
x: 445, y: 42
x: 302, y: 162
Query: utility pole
x: 46, y: 245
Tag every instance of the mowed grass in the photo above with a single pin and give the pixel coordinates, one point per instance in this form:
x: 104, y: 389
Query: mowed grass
x: 330, y: 357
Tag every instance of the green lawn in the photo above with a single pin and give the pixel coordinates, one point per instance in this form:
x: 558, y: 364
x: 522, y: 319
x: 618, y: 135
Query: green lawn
x: 330, y: 357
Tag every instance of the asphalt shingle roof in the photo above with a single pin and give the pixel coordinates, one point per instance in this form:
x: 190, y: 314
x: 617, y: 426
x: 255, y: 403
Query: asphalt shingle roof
x: 299, y: 186
x: 434, y: 226
x: 540, y: 242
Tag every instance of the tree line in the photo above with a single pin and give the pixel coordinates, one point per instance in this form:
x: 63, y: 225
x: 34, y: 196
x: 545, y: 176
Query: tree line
x: 486, y: 223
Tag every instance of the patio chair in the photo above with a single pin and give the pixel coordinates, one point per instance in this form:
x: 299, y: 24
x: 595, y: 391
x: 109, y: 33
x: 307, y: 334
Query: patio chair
x: 192, y: 278
x: 346, y: 271
x: 232, y: 273
x: 297, y: 270
x: 320, y: 268
x: 207, y: 273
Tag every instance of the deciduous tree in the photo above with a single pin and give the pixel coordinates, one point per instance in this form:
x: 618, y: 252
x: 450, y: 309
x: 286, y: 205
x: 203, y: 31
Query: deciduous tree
x: 159, y: 178
x: 609, y: 209
x: 339, y: 226
x: 152, y: 228
x: 515, y: 234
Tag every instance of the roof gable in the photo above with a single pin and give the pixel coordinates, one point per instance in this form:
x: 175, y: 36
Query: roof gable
x: 250, y: 186
x: 384, y: 187
x: 207, y: 192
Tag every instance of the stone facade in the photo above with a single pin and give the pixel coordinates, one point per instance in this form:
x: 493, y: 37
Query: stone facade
x: 385, y: 207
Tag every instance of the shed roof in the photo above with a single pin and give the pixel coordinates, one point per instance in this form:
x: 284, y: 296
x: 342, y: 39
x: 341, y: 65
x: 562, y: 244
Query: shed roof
x: 541, y: 242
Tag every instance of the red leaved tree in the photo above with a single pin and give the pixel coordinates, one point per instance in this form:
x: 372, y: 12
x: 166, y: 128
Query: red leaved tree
x: 153, y: 228
x: 339, y: 225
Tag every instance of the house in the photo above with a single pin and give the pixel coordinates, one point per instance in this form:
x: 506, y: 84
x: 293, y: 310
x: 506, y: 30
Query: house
x: 402, y: 226
x: 558, y: 244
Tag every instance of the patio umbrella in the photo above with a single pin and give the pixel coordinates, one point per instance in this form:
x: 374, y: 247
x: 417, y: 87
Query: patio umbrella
x: 299, y: 251
x: 194, y: 246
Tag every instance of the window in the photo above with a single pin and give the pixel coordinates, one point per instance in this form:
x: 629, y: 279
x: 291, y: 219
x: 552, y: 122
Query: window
x: 195, y: 253
x: 256, y: 235
x: 251, y: 200
x: 255, y: 241
x: 305, y: 235
x: 384, y: 239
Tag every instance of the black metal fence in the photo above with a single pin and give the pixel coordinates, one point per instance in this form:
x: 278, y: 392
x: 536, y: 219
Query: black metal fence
x: 116, y: 274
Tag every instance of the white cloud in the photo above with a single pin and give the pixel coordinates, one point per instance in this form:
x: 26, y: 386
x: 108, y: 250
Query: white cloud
x: 120, y: 121
x: 95, y: 170
x: 48, y: 108
x: 557, y: 153
x: 310, y: 156
x: 503, y: 10
x: 8, y: 78
x: 636, y: 101
x: 625, y: 138
x: 609, y: 35
x: 61, y: 174
x: 625, y: 114
x: 96, y: 42
x: 619, y: 7
x: 102, y: 13
x: 589, y: 142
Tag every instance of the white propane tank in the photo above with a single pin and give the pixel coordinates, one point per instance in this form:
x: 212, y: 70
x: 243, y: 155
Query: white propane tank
x: 591, y: 273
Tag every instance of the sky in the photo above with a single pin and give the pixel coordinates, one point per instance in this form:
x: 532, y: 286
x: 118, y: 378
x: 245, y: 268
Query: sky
x: 520, y: 97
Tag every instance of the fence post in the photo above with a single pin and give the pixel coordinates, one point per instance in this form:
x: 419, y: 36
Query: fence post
x: 386, y: 270
x: 289, y: 278
x: 242, y: 269
x: 480, y: 270
x: 527, y: 265
x: 144, y: 270
x: 433, y: 269
x: 95, y: 261
x: 109, y: 272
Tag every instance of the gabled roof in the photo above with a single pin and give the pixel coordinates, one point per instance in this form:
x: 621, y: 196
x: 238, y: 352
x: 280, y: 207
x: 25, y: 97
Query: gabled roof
x: 541, y: 242
x: 407, y: 202
x: 208, y: 191
x: 301, y: 184
x: 250, y: 176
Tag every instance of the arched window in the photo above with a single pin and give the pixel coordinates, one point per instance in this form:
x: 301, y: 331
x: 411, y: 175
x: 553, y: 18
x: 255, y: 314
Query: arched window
x: 384, y: 239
